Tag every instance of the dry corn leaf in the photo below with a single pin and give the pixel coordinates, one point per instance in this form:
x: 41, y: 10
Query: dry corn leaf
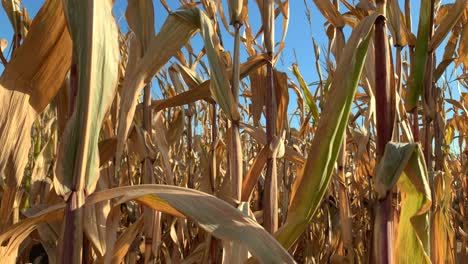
x: 259, y: 135
x: 11, y: 238
x: 257, y: 86
x: 13, y: 10
x: 3, y: 44
x: 282, y: 98
x: 449, y: 53
x: 176, y: 32
x: 28, y: 83
x: 235, y: 11
x: 123, y: 243
x: 330, y: 12
x: 463, y: 47
x: 254, y: 173
x: 448, y: 22
x: 211, y: 213
x: 140, y: 18
x: 442, y: 230
x: 397, y: 24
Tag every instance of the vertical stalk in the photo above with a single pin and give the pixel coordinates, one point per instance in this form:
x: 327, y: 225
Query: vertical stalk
x: 439, y: 129
x: 270, y: 198
x: 72, y: 242
x: 429, y: 114
x: 429, y: 98
x: 414, y: 113
x: 151, y: 217
x: 270, y: 202
x: 236, y: 148
x: 345, y: 215
x: 383, y: 225
x: 214, y: 142
x: 189, y: 147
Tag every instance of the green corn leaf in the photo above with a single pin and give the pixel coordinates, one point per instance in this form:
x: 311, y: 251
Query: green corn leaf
x: 96, y: 50
x: 420, y: 56
x: 310, y: 186
x: 404, y: 165
x: 307, y: 94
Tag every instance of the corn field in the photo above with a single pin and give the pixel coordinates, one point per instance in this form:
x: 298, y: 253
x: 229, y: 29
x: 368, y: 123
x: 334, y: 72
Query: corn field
x: 128, y: 144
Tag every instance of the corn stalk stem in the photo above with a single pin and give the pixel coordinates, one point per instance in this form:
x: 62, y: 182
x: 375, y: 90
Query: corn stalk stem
x: 151, y: 217
x: 72, y: 243
x: 236, y: 148
x: 270, y: 198
x: 189, y: 147
x: 214, y: 140
x: 382, y: 246
x: 429, y: 101
x: 345, y: 216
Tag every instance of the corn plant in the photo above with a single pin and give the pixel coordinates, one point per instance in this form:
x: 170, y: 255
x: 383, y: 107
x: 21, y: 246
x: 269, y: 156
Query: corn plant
x: 123, y: 143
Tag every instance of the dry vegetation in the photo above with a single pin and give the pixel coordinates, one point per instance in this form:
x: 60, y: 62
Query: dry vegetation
x: 95, y: 170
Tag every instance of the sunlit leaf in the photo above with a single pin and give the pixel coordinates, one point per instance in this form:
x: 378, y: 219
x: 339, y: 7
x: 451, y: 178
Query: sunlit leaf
x: 311, y: 184
x: 96, y: 53
x: 404, y: 165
